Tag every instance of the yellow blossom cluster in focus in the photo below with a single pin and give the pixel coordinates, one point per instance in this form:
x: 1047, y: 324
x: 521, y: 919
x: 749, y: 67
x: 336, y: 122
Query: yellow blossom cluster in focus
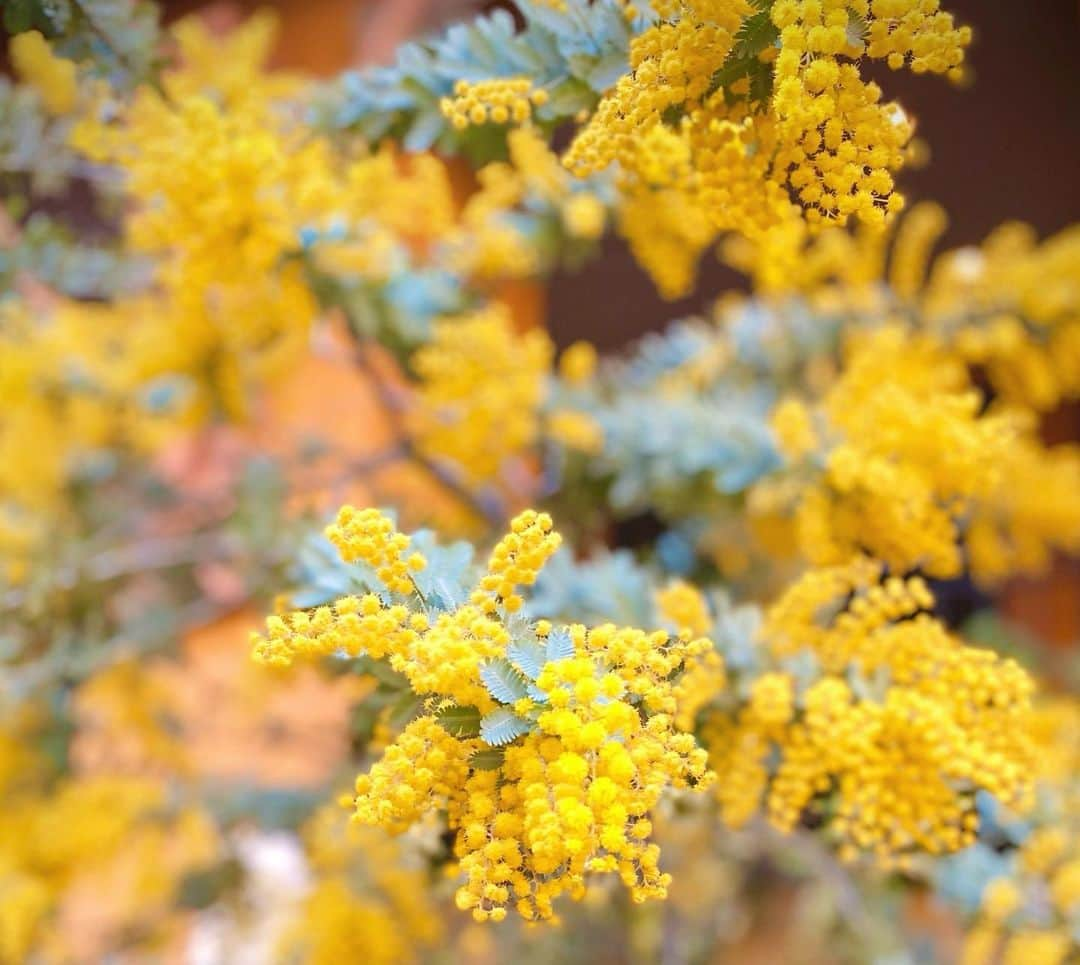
x: 544, y: 782
x: 888, y: 739
x: 742, y: 116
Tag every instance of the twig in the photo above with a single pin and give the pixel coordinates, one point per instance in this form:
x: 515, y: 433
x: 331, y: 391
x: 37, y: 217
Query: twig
x: 300, y: 484
x: 484, y: 503
x: 161, y: 553
x: 139, y: 557
x: 20, y: 682
x: 154, y: 554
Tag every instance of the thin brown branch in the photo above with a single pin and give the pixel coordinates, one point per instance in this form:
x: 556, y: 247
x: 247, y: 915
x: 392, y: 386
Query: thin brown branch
x: 485, y: 503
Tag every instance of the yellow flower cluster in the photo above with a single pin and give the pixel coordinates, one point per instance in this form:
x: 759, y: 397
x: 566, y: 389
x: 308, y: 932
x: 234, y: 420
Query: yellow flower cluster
x: 772, y: 700
x: 53, y: 77
x: 440, y: 657
x: 226, y: 184
x: 516, y: 561
x: 486, y: 245
x: 839, y: 144
x: 221, y: 206
x: 794, y: 621
x: 370, y: 536
x: 752, y: 114
x: 70, y: 836
x: 1055, y: 727
x: 1032, y: 512
x: 835, y: 269
x: 353, y: 626
x: 574, y: 796
x: 412, y: 196
x: 35, y: 438
x: 793, y: 426
x: 223, y: 189
x: 920, y: 35
x: 544, y: 782
x: 69, y: 382
x: 230, y: 67
x: 422, y: 770
x: 229, y: 190
x: 1012, y: 308
x: 994, y: 332
x: 336, y: 924
x: 912, y: 453
x: 684, y: 607
x: 539, y: 172
x: 681, y: 185
x: 220, y: 189
x: 26, y: 904
x: 919, y: 472
x: 480, y: 386
x: 369, y: 900
x: 662, y: 221
x: 578, y: 363
x: 671, y: 65
x: 702, y: 680
x: 1031, y: 914
x: 506, y: 100
x: 1009, y: 307
x: 890, y: 741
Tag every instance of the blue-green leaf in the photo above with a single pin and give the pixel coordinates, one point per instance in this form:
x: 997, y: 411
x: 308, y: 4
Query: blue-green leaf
x: 407, y: 707
x: 503, y: 681
x: 537, y: 694
x: 444, y: 581
x: 559, y: 645
x: 527, y: 656
x: 501, y: 726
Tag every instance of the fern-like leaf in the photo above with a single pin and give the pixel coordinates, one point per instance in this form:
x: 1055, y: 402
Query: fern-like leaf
x: 503, y: 681
x: 487, y: 760
x: 575, y: 54
x: 527, y: 656
x: 755, y: 35
x: 460, y: 721
x: 502, y: 726
x: 559, y: 645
